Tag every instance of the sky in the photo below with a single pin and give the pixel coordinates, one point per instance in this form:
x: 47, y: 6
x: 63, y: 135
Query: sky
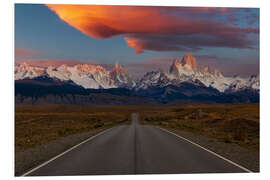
x: 141, y: 38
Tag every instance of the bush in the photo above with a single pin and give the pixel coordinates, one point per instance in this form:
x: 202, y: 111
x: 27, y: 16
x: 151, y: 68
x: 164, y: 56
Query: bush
x: 98, y: 125
x: 240, y: 135
x: 60, y: 133
x: 227, y: 139
x: 185, y: 126
x: 68, y: 129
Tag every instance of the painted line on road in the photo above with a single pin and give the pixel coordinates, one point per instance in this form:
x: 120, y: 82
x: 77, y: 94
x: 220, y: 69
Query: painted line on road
x: 221, y: 157
x: 68, y: 150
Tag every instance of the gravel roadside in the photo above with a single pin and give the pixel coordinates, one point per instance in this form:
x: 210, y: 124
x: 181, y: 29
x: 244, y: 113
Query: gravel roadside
x: 249, y: 159
x: 30, y: 158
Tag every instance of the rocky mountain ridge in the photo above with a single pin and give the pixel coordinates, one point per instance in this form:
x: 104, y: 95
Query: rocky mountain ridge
x: 97, y: 77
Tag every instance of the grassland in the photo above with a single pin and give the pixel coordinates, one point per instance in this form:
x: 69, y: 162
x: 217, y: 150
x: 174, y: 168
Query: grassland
x: 36, y: 125
x: 230, y: 123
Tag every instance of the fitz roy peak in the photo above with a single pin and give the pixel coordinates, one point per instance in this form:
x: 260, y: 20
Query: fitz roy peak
x: 187, y: 70
x: 184, y: 71
x: 189, y: 60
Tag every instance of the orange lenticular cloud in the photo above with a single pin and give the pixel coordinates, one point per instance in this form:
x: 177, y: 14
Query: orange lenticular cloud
x: 104, y: 21
x: 108, y: 21
x: 135, y: 43
x: 98, y: 21
x: 166, y: 26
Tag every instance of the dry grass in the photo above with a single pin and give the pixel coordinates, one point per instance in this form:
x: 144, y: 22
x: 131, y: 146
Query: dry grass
x: 230, y: 123
x: 35, y: 125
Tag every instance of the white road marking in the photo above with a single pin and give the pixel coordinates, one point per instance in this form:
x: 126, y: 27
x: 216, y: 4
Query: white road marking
x: 221, y: 157
x: 92, y: 137
x: 52, y: 159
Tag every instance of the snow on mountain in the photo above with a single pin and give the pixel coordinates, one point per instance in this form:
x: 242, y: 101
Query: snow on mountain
x: 154, y: 78
x: 121, y: 78
x: 60, y: 73
x: 24, y: 70
x: 188, y: 71
x: 239, y: 83
x: 97, y: 77
x: 254, y: 82
x: 85, y: 75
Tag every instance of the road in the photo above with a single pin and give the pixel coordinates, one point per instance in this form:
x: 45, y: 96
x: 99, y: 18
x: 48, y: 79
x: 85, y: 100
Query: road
x: 135, y: 149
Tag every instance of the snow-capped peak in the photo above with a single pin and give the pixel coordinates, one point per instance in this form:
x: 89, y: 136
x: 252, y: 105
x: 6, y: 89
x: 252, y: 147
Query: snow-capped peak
x: 121, y: 77
x: 85, y: 75
x: 208, y: 69
x: 88, y: 68
x: 189, y: 60
x: 24, y: 70
x: 174, y: 69
x: 178, y: 69
x: 119, y: 69
x: 188, y: 71
x: 96, y: 76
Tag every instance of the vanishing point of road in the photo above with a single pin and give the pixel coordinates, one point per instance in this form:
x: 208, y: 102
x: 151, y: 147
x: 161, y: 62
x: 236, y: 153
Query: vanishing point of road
x: 135, y: 149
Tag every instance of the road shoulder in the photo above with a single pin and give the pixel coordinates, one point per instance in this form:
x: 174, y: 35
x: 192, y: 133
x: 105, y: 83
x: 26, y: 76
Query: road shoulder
x: 242, y: 156
x: 33, y: 157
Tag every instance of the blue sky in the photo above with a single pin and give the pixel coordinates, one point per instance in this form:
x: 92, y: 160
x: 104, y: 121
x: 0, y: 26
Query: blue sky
x: 40, y: 29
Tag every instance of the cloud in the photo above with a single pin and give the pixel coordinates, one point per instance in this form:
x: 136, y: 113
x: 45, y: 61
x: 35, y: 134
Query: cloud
x: 56, y: 62
x: 147, y: 27
x: 187, y: 42
x: 25, y: 53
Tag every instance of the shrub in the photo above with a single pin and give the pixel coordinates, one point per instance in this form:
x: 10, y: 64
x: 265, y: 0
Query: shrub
x: 98, y: 125
x: 227, y: 139
x: 68, y: 129
x: 60, y: 133
x: 240, y: 135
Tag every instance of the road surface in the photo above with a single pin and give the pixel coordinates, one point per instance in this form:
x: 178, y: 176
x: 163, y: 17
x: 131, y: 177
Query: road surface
x: 135, y: 149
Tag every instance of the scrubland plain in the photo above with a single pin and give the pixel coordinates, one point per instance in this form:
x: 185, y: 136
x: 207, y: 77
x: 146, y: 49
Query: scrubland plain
x: 230, y: 123
x: 36, y: 125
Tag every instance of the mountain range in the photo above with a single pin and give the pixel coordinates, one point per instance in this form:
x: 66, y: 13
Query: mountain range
x: 184, y: 82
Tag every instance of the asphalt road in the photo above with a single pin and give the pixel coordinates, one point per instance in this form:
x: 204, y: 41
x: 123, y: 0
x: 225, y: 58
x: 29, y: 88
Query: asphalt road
x: 135, y: 149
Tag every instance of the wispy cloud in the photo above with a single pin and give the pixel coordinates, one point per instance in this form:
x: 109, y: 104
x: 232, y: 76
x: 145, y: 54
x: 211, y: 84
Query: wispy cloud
x: 56, y: 62
x: 22, y: 53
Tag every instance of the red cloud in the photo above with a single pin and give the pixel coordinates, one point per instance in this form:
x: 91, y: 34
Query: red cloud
x: 25, y: 53
x: 107, y: 21
x: 139, y: 21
